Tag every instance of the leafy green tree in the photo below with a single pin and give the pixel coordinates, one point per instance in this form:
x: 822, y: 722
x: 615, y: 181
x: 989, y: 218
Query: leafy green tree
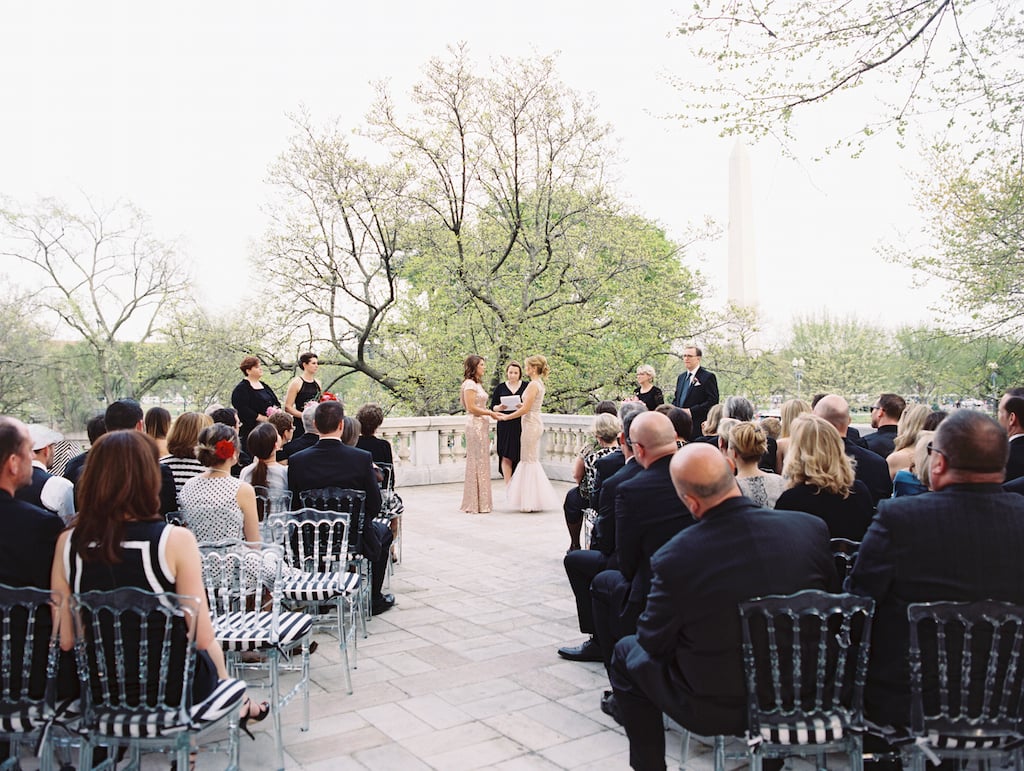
x: 23, y: 346
x: 841, y: 355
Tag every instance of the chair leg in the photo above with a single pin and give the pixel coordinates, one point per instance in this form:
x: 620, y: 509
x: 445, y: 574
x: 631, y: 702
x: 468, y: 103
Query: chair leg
x: 684, y: 748
x: 305, y: 682
x: 343, y: 640
x: 720, y: 753
x: 275, y: 713
x: 234, y: 733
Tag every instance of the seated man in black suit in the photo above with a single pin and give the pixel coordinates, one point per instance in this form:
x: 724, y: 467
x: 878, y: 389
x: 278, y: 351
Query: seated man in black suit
x: 94, y: 429
x: 583, y: 564
x: 885, y: 418
x: 963, y: 541
x: 870, y: 468
x: 1011, y: 417
x: 684, y: 659
x: 331, y: 463
x: 647, y: 514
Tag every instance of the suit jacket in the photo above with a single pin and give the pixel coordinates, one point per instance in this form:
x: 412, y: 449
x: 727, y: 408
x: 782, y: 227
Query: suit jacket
x: 882, y: 441
x: 648, y: 512
x: 699, y: 399
x: 298, y: 444
x: 689, y: 634
x: 1015, y: 463
x: 871, y: 469
x: 330, y: 463
x: 961, y: 543
x: 603, y: 537
x: 30, y: 537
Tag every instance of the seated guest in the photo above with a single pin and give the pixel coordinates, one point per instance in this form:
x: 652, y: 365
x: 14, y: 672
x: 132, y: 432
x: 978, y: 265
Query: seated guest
x: 227, y: 416
x: 747, y: 444
x: 181, y: 447
x: 647, y: 514
x: 934, y: 418
x: 1010, y: 414
x: 771, y: 426
x: 370, y: 417
x: 914, y: 481
x: 120, y: 539
x: 331, y: 463
x: 53, y: 493
x: 308, y: 438
x: 350, y: 434
x: 709, y: 428
x: 790, y: 411
x: 157, y: 423
x: 870, y: 468
x: 126, y: 415
x: 265, y: 471
x: 961, y: 542
x: 911, y: 422
x: 605, y: 430
x: 885, y: 417
x: 681, y: 421
x: 822, y: 482
x: 94, y: 429
x: 285, y: 425
x: 582, y: 565
x: 685, y: 659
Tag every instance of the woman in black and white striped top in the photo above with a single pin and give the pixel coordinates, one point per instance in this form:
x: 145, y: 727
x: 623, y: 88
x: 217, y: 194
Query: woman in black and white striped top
x: 181, y: 446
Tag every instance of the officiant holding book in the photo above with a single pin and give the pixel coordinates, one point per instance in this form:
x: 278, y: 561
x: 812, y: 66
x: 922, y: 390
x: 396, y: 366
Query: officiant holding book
x: 696, y: 389
x: 506, y: 398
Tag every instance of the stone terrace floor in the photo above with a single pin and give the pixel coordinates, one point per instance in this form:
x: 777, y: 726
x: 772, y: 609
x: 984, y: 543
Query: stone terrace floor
x: 463, y: 672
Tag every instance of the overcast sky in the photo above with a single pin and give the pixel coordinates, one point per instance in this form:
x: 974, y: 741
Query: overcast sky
x: 180, y: 108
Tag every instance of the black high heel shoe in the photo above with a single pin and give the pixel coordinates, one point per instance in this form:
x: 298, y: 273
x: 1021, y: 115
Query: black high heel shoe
x: 243, y: 722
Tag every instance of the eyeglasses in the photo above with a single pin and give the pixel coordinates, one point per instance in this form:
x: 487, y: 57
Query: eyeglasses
x: 690, y: 356
x: 936, y: 450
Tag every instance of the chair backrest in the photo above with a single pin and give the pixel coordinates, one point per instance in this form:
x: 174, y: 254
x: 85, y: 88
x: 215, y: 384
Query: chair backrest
x: 315, y: 541
x: 28, y: 647
x: 341, y: 499
x: 965, y: 668
x: 213, y: 523
x: 387, y: 484
x: 805, y: 658
x: 237, y: 575
x: 136, y: 650
x: 270, y: 502
x: 844, y: 553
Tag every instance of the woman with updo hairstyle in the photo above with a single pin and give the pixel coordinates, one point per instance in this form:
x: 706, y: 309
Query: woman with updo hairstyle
x: 265, y: 471
x: 529, y: 488
x: 747, y: 443
x: 253, y: 399
x: 181, y: 447
x: 821, y: 480
x: 302, y: 390
x: 234, y: 500
x: 646, y: 391
x: 157, y: 424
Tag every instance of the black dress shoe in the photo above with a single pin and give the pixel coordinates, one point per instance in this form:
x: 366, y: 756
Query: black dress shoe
x: 588, y: 651
x: 382, y: 604
x: 610, y: 707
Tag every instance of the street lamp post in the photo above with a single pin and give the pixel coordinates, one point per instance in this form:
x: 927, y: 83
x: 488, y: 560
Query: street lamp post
x: 798, y: 372
x: 993, y: 368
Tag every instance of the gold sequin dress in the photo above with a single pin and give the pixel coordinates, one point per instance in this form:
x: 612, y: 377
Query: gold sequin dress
x: 476, y: 493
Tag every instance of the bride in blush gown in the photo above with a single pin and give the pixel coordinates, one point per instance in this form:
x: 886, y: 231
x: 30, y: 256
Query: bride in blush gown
x: 529, y: 488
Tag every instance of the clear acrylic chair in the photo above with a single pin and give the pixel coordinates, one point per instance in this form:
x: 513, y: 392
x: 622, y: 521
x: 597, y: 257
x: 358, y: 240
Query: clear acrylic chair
x: 844, y: 554
x: 966, y: 681
x: 316, y: 551
x: 805, y: 659
x: 271, y: 505
x: 240, y: 579
x: 29, y: 655
x: 391, y: 507
x: 136, y: 656
x: 352, y: 502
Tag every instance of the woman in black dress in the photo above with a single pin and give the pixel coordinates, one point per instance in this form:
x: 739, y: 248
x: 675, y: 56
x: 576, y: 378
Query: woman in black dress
x: 509, y: 431
x: 303, y: 389
x: 252, y: 397
x: 646, y: 391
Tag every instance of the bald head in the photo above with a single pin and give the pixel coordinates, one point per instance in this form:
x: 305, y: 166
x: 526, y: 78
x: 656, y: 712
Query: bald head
x: 836, y: 410
x: 653, y: 436
x: 702, y: 477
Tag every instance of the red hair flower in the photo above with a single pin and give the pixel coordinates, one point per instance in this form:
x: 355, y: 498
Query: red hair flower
x: 327, y: 396
x: 224, y: 449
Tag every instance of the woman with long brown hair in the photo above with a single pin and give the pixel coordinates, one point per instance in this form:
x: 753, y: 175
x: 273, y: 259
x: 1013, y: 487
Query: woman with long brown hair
x: 476, y: 492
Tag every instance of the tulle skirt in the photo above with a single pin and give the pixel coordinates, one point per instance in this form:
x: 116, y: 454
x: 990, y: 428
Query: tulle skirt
x: 530, y: 490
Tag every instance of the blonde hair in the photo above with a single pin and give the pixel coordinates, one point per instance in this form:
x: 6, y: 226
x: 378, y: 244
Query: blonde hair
x: 710, y: 424
x: 748, y: 441
x: 645, y: 369
x: 816, y: 457
x: 725, y: 427
x: 910, y: 425
x: 539, y: 364
x: 790, y: 411
x: 607, y: 427
x: 772, y: 426
x: 921, y: 465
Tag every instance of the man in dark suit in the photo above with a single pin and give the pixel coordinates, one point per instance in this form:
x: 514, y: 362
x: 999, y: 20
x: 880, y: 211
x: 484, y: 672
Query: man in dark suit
x: 885, y: 418
x: 94, y: 429
x: 582, y: 565
x: 647, y: 514
x: 869, y: 467
x: 1011, y: 417
x: 331, y: 463
x: 696, y: 389
x: 684, y: 659
x: 961, y: 542
x: 305, y: 440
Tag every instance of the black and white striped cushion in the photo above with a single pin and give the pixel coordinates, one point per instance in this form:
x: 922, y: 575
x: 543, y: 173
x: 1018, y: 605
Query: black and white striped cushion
x: 817, y: 731
x: 129, y: 723
x: 318, y: 587
x: 945, y: 742
x: 23, y: 719
x: 225, y: 698
x: 251, y: 630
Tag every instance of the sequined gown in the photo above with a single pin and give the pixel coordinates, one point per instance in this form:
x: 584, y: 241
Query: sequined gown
x: 529, y: 488
x: 476, y: 493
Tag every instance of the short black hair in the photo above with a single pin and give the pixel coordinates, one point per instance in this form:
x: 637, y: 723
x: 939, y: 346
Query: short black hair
x: 95, y: 428
x: 328, y: 416
x: 225, y: 416
x: 122, y: 415
x: 892, y: 405
x: 12, y: 438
